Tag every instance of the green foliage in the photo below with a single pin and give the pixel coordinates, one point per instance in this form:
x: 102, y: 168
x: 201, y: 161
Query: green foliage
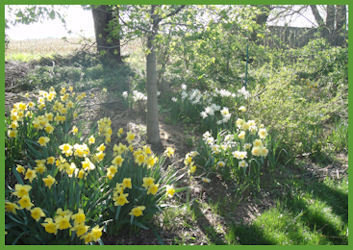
x: 292, y: 112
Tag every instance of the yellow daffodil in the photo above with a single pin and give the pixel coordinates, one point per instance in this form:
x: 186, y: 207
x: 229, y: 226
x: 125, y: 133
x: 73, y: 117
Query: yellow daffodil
x: 30, y: 175
x: 192, y: 169
x: 79, y: 217
x: 147, y: 182
x: 91, y: 140
x: 101, y: 148
x: 241, y: 135
x: 169, y: 152
x: 118, y: 161
x: 49, y: 226
x: 130, y: 137
x: 120, y: 200
x: 80, y: 229
x: 25, y: 202
x: 262, y: 133
x: 20, y: 169
x: 170, y: 191
x: 74, y: 130
x: 11, y: 207
x: 62, y: 222
x: 40, y: 169
x: 81, y: 174
x: 206, y: 180
x: 96, y: 233
x: 21, y: 190
x: 49, y: 181
x: 51, y: 160
x: 111, y: 171
x: 127, y: 183
x: 153, y: 189
x: 37, y: 213
x: 66, y: 149
x: 137, y: 211
x: 12, y: 133
x: 100, y: 156
x: 120, y: 132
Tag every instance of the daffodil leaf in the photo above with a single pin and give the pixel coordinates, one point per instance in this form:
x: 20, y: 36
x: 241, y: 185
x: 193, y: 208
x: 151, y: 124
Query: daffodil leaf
x: 140, y: 225
x: 117, y: 212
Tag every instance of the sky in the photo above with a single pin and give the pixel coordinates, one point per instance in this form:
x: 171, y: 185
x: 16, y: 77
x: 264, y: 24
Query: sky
x: 80, y: 22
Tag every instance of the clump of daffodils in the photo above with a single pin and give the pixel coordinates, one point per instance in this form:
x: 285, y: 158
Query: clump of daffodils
x: 104, y: 128
x: 238, y: 148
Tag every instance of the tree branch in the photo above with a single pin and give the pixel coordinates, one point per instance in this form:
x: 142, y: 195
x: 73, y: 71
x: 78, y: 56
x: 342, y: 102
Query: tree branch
x: 316, y: 14
x: 174, y: 12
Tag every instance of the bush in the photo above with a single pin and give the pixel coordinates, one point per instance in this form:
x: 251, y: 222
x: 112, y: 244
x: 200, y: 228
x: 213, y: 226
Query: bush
x: 292, y: 113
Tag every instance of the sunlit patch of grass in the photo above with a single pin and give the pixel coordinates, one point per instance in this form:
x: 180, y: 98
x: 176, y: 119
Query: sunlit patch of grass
x: 25, y: 57
x: 305, y: 217
x: 33, y: 49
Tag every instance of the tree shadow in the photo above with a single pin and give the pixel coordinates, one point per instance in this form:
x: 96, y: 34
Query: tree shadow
x: 206, y: 226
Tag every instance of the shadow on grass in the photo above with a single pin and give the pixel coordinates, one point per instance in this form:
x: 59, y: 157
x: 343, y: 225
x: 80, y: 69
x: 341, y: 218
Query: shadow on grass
x: 206, y: 226
x: 292, y: 186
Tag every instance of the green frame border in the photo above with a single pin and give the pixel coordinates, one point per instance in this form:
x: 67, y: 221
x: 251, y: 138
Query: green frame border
x: 240, y: 2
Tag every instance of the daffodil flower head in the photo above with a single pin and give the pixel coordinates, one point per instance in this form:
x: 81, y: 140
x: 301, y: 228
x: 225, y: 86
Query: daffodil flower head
x: 49, y: 226
x: 79, y: 217
x: 11, y: 207
x: 25, y: 202
x: 118, y: 161
x: 37, y: 213
x: 137, y: 211
x: 30, y: 175
x: 43, y: 140
x: 127, y: 183
x: 20, y: 169
x: 147, y: 182
x: 152, y: 189
x: 22, y: 190
x: 170, y: 190
x: 49, y: 181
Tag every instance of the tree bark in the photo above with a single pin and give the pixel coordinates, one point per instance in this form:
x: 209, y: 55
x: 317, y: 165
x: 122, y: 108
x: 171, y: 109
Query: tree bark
x: 153, y: 136
x: 341, y: 20
x: 107, y: 46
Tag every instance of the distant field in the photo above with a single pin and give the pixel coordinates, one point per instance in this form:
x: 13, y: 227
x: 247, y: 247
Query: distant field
x: 26, y: 50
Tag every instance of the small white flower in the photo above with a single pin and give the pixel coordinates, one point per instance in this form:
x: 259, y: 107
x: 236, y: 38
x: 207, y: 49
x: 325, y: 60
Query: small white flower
x: 243, y: 164
x: 221, y: 164
x: 125, y: 94
x: 203, y: 114
x: 225, y: 111
x: 244, y: 92
x: 242, y: 108
x: 174, y: 99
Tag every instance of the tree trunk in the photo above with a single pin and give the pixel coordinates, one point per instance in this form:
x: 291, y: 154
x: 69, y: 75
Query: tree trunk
x: 108, y: 47
x: 330, y: 23
x: 341, y: 20
x: 153, y: 136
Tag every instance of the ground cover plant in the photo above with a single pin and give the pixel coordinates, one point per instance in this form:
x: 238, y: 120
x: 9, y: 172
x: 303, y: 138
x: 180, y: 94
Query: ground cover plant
x: 252, y: 135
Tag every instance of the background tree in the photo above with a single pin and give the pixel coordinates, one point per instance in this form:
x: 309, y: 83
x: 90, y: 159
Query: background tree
x: 106, y: 19
x: 333, y: 28
x: 144, y: 22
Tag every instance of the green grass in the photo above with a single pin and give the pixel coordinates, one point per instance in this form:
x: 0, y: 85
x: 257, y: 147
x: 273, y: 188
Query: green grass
x: 315, y: 215
x: 25, y: 57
